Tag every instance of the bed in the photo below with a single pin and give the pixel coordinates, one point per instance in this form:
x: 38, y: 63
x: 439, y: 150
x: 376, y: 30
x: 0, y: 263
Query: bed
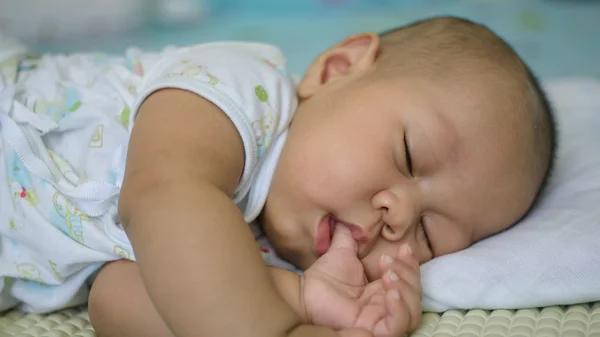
x: 545, y: 34
x: 572, y: 321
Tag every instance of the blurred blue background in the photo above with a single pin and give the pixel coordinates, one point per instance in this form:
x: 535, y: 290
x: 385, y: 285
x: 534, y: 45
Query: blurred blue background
x: 555, y: 37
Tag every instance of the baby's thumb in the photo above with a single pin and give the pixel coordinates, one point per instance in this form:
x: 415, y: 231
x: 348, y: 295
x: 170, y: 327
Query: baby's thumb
x: 342, y: 239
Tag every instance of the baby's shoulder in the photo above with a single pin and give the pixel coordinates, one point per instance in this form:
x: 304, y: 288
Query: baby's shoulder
x: 265, y: 54
x: 241, y: 60
x: 251, y: 77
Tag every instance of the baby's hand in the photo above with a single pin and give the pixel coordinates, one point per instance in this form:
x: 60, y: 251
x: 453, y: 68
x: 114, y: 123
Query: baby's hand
x: 336, y: 293
x: 402, y: 277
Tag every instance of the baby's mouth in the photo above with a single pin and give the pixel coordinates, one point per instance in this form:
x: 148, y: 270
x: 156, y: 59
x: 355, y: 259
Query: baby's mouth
x: 324, y: 234
x: 326, y: 228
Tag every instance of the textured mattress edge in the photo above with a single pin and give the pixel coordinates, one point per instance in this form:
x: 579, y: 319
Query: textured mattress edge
x: 572, y: 321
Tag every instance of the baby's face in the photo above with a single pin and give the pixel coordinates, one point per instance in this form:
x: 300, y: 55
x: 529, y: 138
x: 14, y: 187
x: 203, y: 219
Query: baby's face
x: 397, y: 162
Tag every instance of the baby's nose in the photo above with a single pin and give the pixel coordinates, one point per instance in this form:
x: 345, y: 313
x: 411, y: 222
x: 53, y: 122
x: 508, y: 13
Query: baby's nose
x: 399, y: 212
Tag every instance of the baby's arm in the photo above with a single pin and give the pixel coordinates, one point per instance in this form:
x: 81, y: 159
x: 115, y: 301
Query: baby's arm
x: 288, y: 285
x: 197, y: 257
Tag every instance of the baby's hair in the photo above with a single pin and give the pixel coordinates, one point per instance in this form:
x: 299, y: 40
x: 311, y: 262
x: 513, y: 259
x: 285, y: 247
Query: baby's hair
x: 546, y: 134
x: 447, y: 48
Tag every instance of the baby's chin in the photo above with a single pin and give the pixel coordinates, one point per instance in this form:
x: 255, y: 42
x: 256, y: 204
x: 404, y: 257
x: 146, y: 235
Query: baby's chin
x: 298, y: 259
x: 289, y: 249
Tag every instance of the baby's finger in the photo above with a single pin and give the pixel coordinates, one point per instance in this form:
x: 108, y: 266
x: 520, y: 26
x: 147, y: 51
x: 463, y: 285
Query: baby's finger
x: 410, y: 296
x: 342, y: 239
x: 402, y: 269
x: 354, y: 332
x: 397, y: 319
x: 406, y: 254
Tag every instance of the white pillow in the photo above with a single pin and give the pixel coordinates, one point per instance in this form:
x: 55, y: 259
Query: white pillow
x: 552, y: 256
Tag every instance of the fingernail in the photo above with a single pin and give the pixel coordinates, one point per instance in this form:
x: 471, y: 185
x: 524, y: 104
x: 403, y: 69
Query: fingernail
x: 392, y: 275
x: 396, y: 294
x: 386, y: 259
x: 407, y: 250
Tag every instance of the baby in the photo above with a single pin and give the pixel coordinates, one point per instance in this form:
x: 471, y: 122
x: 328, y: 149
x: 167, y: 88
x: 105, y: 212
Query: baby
x: 392, y: 150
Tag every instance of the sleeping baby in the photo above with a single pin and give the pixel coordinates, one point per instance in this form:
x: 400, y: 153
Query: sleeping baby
x: 140, y: 174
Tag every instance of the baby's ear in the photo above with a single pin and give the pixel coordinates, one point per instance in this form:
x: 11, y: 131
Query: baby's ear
x: 351, y: 57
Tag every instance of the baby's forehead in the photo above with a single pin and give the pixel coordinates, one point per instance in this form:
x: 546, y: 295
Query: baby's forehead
x: 483, y: 115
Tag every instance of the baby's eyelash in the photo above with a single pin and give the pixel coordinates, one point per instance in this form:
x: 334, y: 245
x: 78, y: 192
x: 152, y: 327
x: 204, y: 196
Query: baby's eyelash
x: 408, y: 157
